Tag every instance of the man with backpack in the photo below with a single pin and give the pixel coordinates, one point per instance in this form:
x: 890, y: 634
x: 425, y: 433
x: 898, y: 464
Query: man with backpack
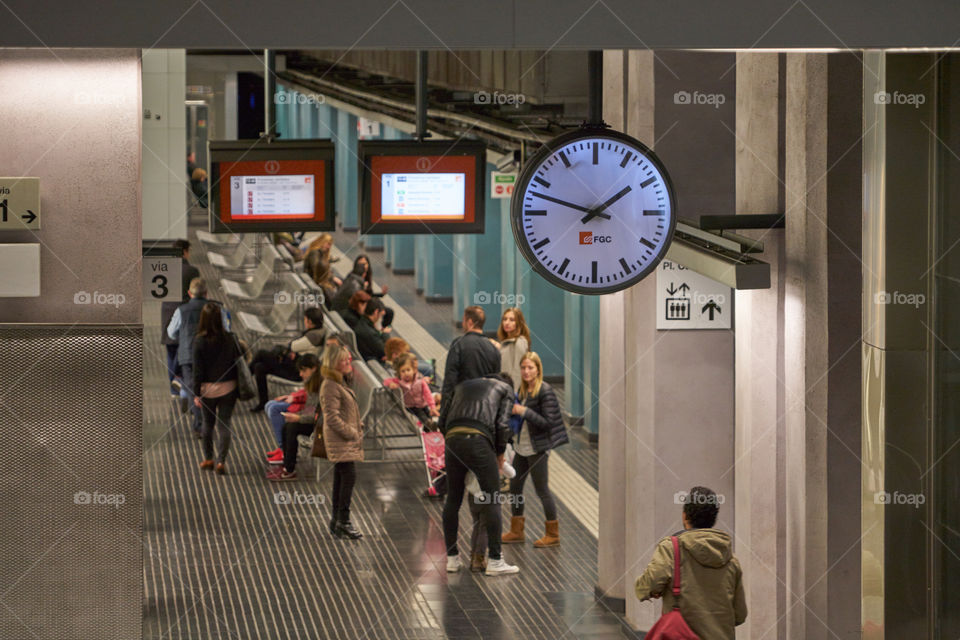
x: 711, y: 599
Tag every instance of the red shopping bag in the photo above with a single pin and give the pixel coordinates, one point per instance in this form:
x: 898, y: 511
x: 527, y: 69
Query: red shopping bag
x: 671, y: 625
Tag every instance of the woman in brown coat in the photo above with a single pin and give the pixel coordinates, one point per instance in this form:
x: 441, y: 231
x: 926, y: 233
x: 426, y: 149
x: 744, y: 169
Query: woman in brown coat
x: 342, y: 435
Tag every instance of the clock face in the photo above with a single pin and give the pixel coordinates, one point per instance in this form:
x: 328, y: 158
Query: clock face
x: 593, y: 211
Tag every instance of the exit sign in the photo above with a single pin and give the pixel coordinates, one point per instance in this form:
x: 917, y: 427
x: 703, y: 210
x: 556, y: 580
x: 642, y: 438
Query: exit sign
x: 501, y: 184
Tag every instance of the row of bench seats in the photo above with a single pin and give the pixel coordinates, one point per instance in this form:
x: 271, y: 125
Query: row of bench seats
x: 230, y: 253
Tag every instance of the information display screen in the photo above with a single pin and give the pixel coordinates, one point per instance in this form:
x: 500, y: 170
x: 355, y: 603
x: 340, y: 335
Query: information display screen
x: 276, y: 186
x: 422, y: 195
x: 422, y: 187
x: 289, y: 195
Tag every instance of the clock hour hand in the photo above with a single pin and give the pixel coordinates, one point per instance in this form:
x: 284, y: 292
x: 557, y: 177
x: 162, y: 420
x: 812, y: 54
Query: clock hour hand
x: 563, y: 202
x: 598, y: 211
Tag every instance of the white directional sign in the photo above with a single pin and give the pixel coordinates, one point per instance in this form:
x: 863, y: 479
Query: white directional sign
x: 688, y: 300
x: 161, y: 279
x: 19, y: 203
x: 368, y: 128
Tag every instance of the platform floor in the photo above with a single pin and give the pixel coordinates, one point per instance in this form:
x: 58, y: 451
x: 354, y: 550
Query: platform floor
x: 236, y: 556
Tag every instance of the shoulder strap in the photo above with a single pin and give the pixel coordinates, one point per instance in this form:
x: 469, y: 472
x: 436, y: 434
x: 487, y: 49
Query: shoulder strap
x: 676, y: 571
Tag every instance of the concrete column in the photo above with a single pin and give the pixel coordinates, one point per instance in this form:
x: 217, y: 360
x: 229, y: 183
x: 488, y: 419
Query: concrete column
x: 164, y: 149
x: 759, y: 356
x: 805, y: 344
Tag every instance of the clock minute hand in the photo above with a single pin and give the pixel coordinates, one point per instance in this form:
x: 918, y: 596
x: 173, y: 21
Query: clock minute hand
x: 563, y: 202
x: 598, y: 211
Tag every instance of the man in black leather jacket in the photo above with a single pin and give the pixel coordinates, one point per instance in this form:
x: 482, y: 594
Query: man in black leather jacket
x: 476, y: 423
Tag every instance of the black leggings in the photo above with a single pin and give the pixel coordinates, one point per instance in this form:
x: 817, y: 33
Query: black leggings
x: 217, y: 411
x: 536, y: 467
x: 290, y: 445
x: 344, y: 477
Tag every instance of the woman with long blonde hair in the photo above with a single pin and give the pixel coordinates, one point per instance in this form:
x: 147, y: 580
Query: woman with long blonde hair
x: 514, y: 339
x: 541, y: 430
x: 342, y: 435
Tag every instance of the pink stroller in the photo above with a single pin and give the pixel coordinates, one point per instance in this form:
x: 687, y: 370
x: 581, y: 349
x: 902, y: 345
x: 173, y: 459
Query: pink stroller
x: 433, y: 452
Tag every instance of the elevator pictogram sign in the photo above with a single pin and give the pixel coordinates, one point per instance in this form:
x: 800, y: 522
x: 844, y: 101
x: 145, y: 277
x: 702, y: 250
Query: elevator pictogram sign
x: 688, y: 300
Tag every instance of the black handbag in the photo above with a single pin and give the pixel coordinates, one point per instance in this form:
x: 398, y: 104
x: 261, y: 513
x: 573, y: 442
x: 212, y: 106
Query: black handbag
x: 246, y: 386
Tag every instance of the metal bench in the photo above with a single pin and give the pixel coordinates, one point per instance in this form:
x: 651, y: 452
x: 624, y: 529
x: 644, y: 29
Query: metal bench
x: 252, y: 288
x: 219, y: 239
x: 284, y: 308
x: 340, y: 326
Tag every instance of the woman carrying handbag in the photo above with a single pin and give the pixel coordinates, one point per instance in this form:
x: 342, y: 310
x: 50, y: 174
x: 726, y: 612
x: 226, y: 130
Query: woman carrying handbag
x: 342, y: 436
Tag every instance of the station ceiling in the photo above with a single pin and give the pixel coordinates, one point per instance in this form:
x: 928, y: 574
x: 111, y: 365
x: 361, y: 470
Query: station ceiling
x: 482, y: 24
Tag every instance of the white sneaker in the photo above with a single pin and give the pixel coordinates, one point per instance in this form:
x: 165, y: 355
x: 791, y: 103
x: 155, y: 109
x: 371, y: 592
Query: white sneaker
x: 453, y: 564
x: 498, y: 567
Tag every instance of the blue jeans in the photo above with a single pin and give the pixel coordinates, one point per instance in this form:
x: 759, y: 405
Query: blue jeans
x: 273, y: 408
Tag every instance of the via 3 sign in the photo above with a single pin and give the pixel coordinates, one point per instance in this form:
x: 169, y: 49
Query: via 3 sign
x: 19, y: 204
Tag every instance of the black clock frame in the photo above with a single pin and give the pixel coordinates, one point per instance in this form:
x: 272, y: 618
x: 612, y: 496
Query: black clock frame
x: 529, y: 171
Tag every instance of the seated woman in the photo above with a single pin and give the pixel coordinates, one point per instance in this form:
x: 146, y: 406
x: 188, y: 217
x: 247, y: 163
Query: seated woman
x: 293, y: 402
x: 301, y: 422
x: 318, y: 251
x: 319, y: 271
x: 361, y: 278
x: 417, y: 396
x: 356, y: 310
x: 281, y: 360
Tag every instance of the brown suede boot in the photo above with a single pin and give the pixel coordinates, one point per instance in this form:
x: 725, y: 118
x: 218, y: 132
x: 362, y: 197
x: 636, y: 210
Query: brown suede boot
x: 552, y: 536
x: 515, y: 534
x: 478, y: 563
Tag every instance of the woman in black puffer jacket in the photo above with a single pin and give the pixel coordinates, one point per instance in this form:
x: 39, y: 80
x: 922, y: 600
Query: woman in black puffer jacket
x: 542, y: 429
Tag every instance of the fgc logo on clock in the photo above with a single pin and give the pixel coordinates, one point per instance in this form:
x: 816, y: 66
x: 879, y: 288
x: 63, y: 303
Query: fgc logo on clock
x: 587, y: 237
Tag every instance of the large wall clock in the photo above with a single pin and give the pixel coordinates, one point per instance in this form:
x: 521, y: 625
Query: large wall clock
x: 593, y: 211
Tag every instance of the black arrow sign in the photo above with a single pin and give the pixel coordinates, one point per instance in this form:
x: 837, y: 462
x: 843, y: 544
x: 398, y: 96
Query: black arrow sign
x: 29, y: 217
x: 684, y: 288
x: 671, y: 289
x: 709, y: 309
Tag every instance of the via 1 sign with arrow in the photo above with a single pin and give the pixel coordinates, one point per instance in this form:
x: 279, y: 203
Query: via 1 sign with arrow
x: 688, y: 300
x: 19, y: 204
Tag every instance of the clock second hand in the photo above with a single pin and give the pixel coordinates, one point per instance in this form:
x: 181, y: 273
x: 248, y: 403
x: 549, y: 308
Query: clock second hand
x: 598, y: 211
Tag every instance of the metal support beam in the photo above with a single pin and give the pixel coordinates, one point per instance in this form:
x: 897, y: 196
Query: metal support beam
x: 421, y: 96
x: 269, y: 93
